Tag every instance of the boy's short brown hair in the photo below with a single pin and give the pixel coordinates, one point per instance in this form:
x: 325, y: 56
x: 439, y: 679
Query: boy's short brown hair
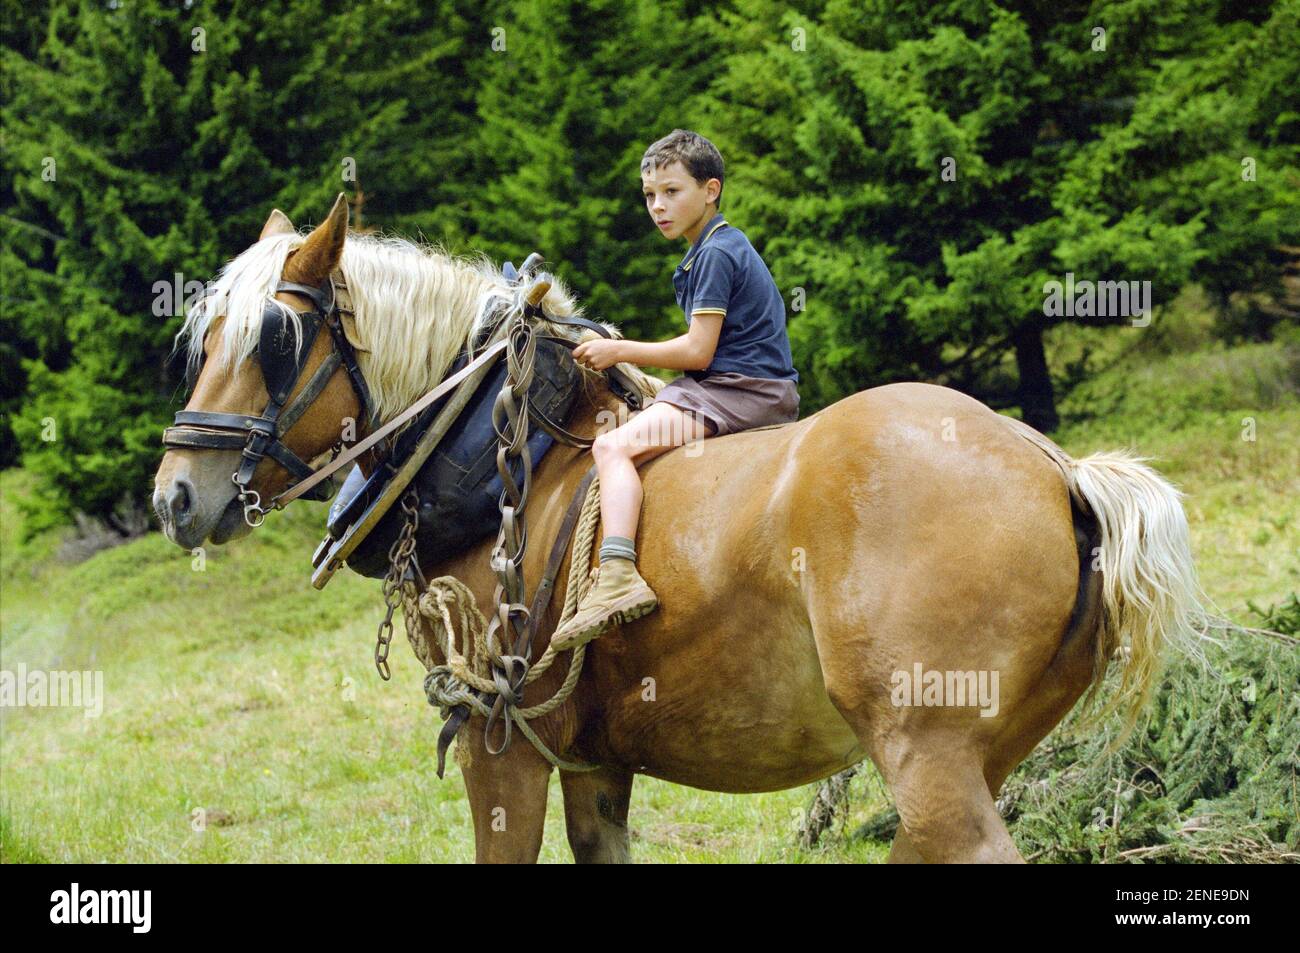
x: 700, y: 157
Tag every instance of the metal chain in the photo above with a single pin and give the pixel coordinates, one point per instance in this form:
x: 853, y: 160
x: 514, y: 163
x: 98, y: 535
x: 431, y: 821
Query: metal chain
x: 400, y: 556
x: 509, y: 631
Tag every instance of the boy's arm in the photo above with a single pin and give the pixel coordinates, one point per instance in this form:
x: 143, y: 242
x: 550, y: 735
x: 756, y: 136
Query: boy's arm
x: 692, y: 351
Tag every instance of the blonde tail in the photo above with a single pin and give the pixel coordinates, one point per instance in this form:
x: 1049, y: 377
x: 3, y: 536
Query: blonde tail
x: 1151, y: 600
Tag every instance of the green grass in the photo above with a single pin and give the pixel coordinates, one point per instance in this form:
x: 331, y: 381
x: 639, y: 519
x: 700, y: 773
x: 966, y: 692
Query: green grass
x: 241, y: 691
x: 279, y: 729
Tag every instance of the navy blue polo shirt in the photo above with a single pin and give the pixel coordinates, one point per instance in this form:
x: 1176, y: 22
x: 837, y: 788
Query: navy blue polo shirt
x: 723, y: 274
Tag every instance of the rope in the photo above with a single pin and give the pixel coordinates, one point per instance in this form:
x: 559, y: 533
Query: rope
x: 456, y: 682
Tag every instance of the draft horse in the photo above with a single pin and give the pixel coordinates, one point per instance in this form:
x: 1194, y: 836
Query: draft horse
x: 801, y: 569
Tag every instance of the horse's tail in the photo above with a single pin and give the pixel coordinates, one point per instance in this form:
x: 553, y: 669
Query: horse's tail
x: 1150, y: 597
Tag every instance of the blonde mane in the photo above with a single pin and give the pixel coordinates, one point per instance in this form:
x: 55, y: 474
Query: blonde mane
x: 416, y: 307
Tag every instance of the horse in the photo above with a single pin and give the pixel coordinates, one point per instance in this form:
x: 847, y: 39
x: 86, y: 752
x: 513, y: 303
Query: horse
x: 827, y: 586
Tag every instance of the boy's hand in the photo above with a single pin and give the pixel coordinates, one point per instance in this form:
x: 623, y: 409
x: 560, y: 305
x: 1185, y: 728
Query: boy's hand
x: 599, y: 353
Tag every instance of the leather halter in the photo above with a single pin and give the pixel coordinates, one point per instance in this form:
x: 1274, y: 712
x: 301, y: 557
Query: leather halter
x: 259, y: 437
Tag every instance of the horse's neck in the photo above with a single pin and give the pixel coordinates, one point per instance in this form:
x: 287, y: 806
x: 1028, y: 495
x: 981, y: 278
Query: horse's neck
x: 597, y: 412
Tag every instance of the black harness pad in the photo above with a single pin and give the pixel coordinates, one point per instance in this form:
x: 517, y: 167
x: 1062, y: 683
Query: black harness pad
x: 458, y: 486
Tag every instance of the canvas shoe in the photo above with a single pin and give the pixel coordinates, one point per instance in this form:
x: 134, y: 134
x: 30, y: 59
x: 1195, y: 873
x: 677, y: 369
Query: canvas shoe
x: 619, y: 595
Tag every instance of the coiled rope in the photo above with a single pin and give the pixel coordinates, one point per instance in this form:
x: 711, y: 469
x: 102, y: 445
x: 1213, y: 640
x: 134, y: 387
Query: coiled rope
x: 458, y: 680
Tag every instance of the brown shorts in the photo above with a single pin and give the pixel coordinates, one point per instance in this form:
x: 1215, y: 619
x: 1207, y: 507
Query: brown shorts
x: 732, y: 402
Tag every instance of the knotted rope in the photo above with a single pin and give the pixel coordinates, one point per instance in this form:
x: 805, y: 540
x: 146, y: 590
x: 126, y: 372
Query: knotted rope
x: 457, y: 681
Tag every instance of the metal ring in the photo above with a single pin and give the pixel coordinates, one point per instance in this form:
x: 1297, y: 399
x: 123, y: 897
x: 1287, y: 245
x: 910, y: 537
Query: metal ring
x: 249, y: 508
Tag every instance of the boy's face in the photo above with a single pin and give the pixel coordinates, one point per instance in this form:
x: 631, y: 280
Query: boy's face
x: 678, y: 205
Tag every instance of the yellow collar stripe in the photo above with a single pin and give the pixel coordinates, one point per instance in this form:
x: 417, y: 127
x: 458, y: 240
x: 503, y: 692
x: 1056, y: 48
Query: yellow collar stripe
x: 687, y: 266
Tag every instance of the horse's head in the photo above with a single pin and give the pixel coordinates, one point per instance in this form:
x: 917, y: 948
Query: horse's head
x: 276, y: 384
x: 279, y: 360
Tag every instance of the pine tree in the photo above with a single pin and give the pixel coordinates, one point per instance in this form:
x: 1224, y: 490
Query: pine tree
x: 146, y: 141
x: 571, y: 100
x: 922, y: 171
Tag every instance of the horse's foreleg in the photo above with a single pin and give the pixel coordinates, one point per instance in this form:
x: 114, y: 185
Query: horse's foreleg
x: 595, y: 813
x: 507, y: 797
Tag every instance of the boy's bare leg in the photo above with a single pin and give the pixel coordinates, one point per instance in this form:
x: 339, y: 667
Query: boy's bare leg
x: 620, y: 594
x: 656, y: 430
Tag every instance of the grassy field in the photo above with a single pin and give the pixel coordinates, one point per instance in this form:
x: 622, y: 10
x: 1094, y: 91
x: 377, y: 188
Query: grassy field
x: 241, y: 692
x: 281, y: 731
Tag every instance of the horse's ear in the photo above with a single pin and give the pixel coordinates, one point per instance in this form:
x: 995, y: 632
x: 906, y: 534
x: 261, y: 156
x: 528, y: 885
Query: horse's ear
x: 349, y: 322
x: 277, y: 224
x: 322, y: 249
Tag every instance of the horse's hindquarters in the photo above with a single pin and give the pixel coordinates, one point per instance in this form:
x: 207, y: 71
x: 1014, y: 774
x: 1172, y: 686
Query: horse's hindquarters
x: 801, y: 570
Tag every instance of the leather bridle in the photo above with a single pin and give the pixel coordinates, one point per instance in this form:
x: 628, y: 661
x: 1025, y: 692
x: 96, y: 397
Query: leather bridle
x: 259, y: 437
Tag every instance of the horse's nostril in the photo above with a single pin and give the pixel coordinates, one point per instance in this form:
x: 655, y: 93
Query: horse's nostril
x: 180, y: 500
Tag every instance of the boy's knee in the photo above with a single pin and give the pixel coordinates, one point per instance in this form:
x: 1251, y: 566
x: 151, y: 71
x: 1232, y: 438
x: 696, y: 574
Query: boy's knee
x: 608, y: 444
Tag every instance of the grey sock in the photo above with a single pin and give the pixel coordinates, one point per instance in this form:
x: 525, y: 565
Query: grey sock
x: 617, y: 547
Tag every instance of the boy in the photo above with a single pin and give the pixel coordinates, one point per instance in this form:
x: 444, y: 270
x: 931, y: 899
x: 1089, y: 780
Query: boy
x: 736, y: 355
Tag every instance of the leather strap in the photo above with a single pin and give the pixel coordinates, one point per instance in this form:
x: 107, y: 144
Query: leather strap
x: 546, y: 587
x: 324, y: 304
x: 618, y: 382
x: 342, y: 460
x: 212, y: 418
x: 203, y: 440
x: 258, y: 436
x: 318, y: 382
